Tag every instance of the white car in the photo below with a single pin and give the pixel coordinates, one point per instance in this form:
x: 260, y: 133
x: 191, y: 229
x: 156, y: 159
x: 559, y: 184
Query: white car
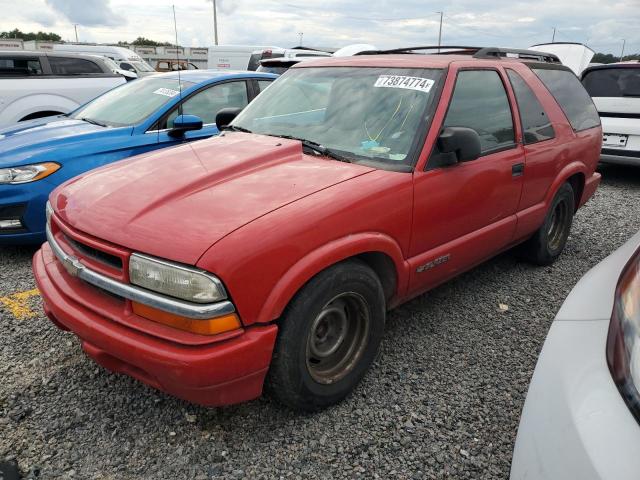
x: 581, y: 418
x: 125, y: 58
x: 37, y: 84
x: 615, y: 89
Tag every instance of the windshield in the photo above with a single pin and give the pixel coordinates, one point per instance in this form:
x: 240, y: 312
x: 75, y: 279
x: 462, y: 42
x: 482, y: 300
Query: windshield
x: 131, y: 103
x: 363, y: 114
x: 613, y: 82
x: 113, y: 66
x: 142, y: 67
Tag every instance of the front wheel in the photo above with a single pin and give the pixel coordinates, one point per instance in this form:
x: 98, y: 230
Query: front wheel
x: 546, y: 245
x: 328, y: 338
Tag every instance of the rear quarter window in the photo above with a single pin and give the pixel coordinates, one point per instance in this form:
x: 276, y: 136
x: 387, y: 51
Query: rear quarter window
x: 536, y: 125
x: 73, y: 66
x: 19, y: 66
x: 573, y: 99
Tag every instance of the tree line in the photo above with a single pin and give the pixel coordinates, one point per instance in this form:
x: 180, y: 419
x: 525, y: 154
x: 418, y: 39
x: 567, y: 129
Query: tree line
x: 54, y: 37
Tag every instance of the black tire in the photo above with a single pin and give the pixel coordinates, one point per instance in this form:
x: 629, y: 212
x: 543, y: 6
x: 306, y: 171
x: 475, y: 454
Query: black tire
x: 546, y: 245
x: 328, y: 337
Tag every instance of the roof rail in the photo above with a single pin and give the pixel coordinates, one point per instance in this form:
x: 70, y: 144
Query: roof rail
x: 477, y: 52
x: 493, y: 52
x: 457, y: 48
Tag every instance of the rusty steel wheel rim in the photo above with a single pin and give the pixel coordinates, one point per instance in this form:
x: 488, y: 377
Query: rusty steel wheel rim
x: 558, y: 225
x: 337, y: 338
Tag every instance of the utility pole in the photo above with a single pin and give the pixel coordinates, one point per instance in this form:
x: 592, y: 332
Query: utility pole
x: 440, y: 31
x: 75, y: 27
x: 553, y: 38
x: 300, y: 34
x: 215, y: 22
x: 622, y: 52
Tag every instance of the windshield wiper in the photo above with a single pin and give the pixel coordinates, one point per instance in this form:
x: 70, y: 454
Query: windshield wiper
x: 236, y: 128
x: 93, y: 122
x: 317, y: 148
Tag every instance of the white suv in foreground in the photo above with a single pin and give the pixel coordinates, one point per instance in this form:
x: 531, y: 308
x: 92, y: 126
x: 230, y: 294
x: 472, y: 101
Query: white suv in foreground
x: 615, y: 89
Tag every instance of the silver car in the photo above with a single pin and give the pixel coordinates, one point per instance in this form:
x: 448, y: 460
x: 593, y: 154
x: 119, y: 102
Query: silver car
x: 581, y: 418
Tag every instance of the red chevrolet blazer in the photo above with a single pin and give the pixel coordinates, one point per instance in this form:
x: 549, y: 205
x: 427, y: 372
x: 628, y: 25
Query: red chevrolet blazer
x: 347, y: 187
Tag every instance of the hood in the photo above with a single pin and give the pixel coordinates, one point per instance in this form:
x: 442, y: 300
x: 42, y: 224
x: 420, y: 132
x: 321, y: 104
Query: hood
x: 176, y: 203
x: 52, y: 138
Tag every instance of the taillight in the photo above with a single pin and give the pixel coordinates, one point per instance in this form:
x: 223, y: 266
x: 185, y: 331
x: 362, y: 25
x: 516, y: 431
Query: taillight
x: 623, y: 343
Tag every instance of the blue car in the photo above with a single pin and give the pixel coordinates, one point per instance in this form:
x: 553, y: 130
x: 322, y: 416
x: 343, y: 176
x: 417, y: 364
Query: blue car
x: 147, y: 114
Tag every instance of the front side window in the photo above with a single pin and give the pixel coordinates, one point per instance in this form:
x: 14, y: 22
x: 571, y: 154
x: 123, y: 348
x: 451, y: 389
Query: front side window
x: 207, y: 103
x: 536, y: 125
x: 20, y: 66
x: 613, y: 82
x: 132, y: 102
x: 370, y: 115
x: 573, y: 99
x: 480, y: 102
x: 72, y: 66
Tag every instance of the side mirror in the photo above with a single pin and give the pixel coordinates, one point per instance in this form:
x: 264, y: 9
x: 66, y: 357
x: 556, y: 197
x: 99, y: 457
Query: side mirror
x: 185, y: 123
x: 458, y: 144
x: 226, y: 116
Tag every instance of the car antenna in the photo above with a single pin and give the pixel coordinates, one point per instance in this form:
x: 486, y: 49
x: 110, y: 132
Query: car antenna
x: 175, y: 27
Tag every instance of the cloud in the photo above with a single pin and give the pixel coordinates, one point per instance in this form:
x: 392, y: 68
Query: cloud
x: 88, y: 13
x: 384, y: 23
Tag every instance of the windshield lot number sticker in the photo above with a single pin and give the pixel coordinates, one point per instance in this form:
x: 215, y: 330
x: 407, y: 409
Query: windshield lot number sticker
x: 167, y: 92
x: 400, y: 81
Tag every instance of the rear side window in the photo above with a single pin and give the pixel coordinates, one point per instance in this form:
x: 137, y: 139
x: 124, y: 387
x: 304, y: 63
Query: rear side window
x: 571, y: 96
x: 72, y: 66
x: 480, y: 102
x: 20, y: 66
x: 613, y: 82
x: 536, y: 126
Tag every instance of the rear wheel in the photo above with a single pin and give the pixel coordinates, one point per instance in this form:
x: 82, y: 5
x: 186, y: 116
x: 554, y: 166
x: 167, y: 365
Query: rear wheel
x: 546, y: 245
x: 328, y: 338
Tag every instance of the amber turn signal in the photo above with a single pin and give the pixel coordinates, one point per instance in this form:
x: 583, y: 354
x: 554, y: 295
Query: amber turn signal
x: 211, y: 326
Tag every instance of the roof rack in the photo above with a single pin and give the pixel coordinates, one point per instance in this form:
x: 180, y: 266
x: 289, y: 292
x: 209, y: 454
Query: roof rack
x: 457, y: 48
x: 476, y: 52
x: 493, y: 52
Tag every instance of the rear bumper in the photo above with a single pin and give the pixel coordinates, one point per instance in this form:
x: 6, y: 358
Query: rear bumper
x: 590, y: 187
x: 217, y: 373
x: 620, y: 156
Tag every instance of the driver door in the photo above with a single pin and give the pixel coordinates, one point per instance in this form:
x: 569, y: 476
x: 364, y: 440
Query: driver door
x: 465, y: 213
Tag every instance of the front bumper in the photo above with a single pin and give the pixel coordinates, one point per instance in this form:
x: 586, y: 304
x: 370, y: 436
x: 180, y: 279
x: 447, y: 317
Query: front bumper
x: 31, y: 198
x: 212, y: 371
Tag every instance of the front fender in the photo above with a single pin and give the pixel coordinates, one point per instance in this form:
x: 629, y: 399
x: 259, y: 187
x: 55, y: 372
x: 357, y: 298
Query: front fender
x: 325, y: 256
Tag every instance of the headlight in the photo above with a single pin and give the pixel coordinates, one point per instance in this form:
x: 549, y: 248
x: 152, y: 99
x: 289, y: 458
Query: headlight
x: 175, y: 280
x: 27, y: 173
x: 623, y: 343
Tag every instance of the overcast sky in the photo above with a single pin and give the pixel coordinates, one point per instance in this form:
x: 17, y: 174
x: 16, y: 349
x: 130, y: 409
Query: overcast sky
x: 385, y: 23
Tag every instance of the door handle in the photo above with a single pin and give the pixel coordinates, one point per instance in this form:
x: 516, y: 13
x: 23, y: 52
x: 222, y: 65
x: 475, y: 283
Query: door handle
x: 517, y: 170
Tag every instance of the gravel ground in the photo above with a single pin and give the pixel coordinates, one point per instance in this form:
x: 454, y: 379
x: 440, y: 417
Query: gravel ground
x: 442, y: 400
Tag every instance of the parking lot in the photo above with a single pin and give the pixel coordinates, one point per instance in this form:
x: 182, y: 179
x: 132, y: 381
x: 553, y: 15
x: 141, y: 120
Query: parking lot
x: 442, y: 400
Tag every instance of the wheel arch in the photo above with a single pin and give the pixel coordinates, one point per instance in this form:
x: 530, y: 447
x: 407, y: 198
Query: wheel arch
x: 575, y: 174
x: 378, y: 251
